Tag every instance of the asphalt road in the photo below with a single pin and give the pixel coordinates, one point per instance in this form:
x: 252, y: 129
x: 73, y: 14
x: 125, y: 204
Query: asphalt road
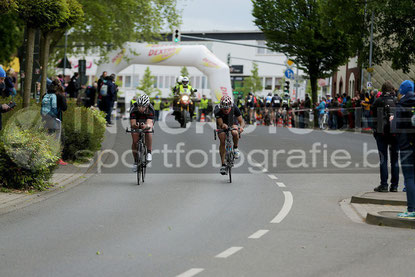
x: 279, y: 217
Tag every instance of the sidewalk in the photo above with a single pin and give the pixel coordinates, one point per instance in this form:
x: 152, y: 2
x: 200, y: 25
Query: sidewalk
x: 64, y: 178
x: 378, y: 208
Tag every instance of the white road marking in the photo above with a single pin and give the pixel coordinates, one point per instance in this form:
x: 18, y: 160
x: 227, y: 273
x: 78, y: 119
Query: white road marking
x: 288, y: 203
x: 273, y: 177
x: 258, y: 234
x: 228, y: 252
x: 281, y: 185
x: 191, y: 272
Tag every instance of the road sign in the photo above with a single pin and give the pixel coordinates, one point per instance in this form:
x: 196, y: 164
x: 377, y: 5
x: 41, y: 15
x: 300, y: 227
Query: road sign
x: 289, y: 73
x: 289, y: 63
x: 370, y: 69
x: 369, y: 85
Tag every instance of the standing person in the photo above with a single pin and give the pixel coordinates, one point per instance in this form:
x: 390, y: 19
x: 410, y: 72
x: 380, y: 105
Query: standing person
x: 307, y: 107
x: 108, y: 93
x: 62, y: 106
x: 4, y: 107
x: 203, y: 108
x: 406, y: 137
x: 366, y: 111
x: 62, y: 80
x: 157, y: 107
x: 382, y: 109
x: 73, y: 86
x: 9, y: 84
x: 321, y: 108
x: 91, y: 95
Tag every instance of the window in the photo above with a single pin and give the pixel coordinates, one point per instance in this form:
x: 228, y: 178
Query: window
x: 192, y: 81
x: 278, y: 83
x: 263, y: 51
x: 136, y: 81
x: 127, y: 82
x: 155, y: 81
x: 268, y: 83
x: 172, y: 81
x: 203, y: 82
x: 160, y: 85
x: 197, y: 85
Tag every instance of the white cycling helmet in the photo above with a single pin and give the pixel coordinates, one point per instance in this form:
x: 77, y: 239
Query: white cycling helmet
x: 180, y: 79
x: 225, y: 102
x: 143, y: 100
x: 185, y: 79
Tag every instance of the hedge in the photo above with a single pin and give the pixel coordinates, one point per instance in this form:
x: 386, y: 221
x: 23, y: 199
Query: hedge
x: 28, y: 154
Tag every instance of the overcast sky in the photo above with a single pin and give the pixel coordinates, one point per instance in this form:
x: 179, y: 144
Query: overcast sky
x: 221, y: 15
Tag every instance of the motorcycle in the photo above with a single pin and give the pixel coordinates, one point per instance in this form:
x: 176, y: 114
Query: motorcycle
x: 184, y: 105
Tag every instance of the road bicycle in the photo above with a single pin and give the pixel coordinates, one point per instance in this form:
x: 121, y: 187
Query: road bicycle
x: 141, y: 153
x: 229, y: 154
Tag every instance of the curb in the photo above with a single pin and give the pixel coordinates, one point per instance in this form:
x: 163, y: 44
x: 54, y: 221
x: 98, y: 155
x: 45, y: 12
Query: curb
x: 388, y: 218
x: 360, y: 199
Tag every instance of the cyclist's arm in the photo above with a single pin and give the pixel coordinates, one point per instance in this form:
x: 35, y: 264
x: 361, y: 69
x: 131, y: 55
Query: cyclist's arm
x: 241, y: 122
x: 220, y: 124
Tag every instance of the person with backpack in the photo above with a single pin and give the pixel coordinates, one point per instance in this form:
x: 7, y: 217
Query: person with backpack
x: 108, y: 94
x: 381, y: 110
x: 49, y: 109
x: 405, y: 127
x: 91, y: 94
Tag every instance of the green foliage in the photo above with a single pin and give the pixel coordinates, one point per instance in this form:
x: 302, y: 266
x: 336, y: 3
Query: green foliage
x: 184, y: 72
x: 44, y: 14
x: 83, y: 132
x: 28, y: 154
x: 11, y: 34
x: 147, y: 83
x: 7, y: 5
x: 393, y: 34
x: 252, y: 83
x: 109, y: 24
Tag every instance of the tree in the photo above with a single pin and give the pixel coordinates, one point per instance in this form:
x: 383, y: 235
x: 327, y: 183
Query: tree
x: 393, y: 34
x: 147, y: 83
x: 36, y: 14
x: 303, y: 30
x: 252, y: 83
x: 109, y: 24
x: 11, y: 34
x: 70, y: 13
x: 184, y: 72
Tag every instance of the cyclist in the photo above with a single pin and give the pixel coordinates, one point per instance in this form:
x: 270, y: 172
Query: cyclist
x: 268, y: 115
x: 228, y: 115
x: 142, y: 117
x: 250, y: 105
x: 276, y: 105
x: 285, y: 107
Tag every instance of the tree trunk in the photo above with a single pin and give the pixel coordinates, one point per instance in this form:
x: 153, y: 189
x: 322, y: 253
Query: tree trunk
x: 31, y: 32
x: 44, y: 62
x: 313, y: 83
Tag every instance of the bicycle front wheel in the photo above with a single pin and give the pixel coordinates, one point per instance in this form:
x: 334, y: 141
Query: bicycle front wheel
x: 230, y: 174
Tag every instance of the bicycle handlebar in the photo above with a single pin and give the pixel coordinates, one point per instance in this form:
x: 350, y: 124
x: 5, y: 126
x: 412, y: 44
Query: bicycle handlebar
x: 218, y: 131
x: 139, y: 130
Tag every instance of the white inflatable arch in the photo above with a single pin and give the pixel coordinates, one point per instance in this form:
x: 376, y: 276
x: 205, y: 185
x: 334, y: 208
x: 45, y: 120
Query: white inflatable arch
x: 174, y: 55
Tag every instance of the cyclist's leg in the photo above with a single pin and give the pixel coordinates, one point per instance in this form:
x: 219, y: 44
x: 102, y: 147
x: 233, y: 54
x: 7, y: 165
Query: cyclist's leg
x: 135, y: 138
x: 149, y: 136
x: 235, y: 136
x: 222, y: 138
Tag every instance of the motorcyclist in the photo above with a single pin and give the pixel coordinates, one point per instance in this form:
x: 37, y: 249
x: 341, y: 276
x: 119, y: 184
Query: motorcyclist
x: 185, y: 88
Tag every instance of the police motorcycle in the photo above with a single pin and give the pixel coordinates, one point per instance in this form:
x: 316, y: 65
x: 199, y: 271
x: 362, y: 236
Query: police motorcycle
x: 184, y: 107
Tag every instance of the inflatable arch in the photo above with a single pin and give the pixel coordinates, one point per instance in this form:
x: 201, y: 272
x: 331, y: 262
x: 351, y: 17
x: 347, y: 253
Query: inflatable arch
x: 174, y: 55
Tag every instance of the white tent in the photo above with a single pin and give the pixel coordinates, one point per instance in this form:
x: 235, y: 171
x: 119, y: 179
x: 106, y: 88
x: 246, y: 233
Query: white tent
x: 175, y: 55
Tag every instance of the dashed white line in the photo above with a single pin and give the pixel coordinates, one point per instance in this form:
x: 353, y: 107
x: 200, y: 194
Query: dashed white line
x: 258, y: 234
x: 281, y: 185
x: 273, y: 177
x: 288, y: 203
x: 191, y: 272
x: 228, y: 252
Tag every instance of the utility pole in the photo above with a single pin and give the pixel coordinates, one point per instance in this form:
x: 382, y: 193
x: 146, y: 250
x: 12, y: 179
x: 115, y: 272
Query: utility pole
x: 371, y: 47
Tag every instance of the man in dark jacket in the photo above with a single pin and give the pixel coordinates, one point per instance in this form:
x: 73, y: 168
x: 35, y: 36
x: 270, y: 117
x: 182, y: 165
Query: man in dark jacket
x: 382, y: 109
x: 73, y: 86
x: 406, y: 134
x: 109, y: 99
x: 3, y: 108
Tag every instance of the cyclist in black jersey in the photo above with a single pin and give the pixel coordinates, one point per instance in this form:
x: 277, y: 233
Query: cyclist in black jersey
x: 227, y: 116
x: 142, y: 117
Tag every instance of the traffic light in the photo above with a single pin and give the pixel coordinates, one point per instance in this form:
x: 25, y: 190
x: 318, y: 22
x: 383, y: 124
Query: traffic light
x: 287, y: 87
x: 176, y: 36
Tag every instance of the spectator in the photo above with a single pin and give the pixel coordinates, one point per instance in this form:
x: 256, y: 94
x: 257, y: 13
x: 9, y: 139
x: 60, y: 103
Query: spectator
x: 382, y: 109
x: 307, y: 106
x: 73, y: 87
x: 4, y: 107
x: 406, y: 137
x: 9, y: 84
x: 62, y: 80
x: 333, y: 114
x: 91, y: 95
x: 157, y: 107
x: 101, y: 81
x: 204, y: 104
x: 108, y: 96
x: 366, y: 111
x: 321, y: 110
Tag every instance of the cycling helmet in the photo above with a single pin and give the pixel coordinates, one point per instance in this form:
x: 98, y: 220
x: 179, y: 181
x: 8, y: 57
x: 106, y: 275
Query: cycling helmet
x: 179, y: 79
x: 185, y: 80
x: 143, y: 100
x: 225, y: 102
x: 269, y: 94
x: 250, y: 94
x: 275, y: 94
x: 2, y: 73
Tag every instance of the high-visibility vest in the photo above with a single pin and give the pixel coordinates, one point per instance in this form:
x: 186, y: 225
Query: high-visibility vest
x: 204, y: 103
x: 188, y: 90
x: 157, y: 104
x: 133, y: 102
